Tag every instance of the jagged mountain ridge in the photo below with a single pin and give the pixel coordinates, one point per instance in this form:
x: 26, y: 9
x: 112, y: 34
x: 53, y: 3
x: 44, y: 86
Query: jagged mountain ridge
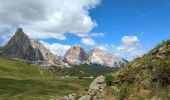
x: 76, y: 55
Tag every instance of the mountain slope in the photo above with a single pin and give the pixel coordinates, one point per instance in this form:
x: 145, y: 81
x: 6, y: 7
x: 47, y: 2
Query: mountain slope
x: 24, y: 81
x: 146, y: 78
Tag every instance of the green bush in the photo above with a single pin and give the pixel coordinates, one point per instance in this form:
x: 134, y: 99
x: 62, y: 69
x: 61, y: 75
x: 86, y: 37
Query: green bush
x: 109, y: 80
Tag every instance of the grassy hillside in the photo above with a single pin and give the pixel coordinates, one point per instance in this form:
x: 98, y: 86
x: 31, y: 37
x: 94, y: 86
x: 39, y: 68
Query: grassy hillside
x: 146, y: 78
x: 20, y: 81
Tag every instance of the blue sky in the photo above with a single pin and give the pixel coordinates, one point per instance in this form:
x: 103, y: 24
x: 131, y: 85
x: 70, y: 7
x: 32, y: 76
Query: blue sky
x: 149, y: 20
x: 122, y: 27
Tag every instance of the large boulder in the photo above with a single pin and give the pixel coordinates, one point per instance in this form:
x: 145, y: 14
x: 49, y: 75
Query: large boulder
x: 98, y: 83
x: 95, y: 91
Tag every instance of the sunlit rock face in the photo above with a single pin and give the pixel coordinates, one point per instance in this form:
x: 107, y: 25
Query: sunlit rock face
x: 97, y: 56
x: 76, y: 55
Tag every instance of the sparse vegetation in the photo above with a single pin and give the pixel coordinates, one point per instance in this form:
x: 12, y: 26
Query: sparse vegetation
x: 147, y: 77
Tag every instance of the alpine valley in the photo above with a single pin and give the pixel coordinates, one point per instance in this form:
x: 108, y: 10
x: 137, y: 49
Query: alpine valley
x: 84, y: 49
x: 29, y: 64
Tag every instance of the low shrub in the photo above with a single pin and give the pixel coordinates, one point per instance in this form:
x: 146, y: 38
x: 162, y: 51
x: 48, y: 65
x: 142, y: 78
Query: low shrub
x: 109, y: 80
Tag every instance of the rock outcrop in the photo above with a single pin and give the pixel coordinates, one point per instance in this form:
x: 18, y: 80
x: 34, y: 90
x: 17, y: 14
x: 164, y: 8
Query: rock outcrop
x: 19, y: 46
x: 95, y: 91
x: 76, y: 55
x: 97, y: 56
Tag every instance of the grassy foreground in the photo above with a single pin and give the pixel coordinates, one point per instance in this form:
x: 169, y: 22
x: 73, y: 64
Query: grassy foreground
x: 23, y: 81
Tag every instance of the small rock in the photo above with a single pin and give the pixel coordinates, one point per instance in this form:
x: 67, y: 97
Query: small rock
x: 72, y: 96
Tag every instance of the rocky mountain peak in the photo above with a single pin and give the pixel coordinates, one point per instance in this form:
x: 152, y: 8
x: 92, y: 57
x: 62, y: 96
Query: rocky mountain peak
x: 19, y: 46
x: 76, y: 55
x: 19, y: 31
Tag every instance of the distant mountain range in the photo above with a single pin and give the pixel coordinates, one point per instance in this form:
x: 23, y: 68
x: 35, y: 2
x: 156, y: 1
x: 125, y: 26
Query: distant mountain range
x: 77, y: 55
x: 21, y: 47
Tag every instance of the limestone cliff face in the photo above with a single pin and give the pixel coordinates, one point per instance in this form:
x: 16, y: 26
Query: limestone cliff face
x: 19, y: 46
x: 76, y: 55
x: 97, y: 56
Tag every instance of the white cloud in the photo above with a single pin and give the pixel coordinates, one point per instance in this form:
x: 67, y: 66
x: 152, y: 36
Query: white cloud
x: 56, y: 48
x: 97, y: 34
x: 43, y: 19
x: 130, y: 44
x: 88, y: 41
x: 104, y: 47
x: 130, y: 40
x: 92, y: 35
